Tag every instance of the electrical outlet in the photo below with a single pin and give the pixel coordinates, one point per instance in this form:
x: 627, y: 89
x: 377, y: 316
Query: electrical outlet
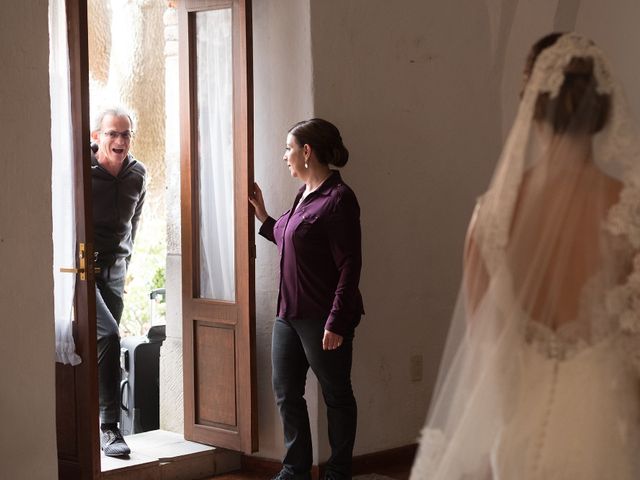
x: 415, y: 367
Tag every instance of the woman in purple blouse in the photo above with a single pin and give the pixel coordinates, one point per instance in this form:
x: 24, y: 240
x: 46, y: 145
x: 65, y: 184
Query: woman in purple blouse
x: 319, y: 304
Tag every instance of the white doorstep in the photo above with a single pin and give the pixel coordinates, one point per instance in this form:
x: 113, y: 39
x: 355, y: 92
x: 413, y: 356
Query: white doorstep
x: 162, y: 455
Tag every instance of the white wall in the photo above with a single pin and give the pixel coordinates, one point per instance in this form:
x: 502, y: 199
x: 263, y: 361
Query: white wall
x: 27, y: 392
x: 283, y: 91
x: 615, y: 29
x: 171, y: 365
x: 413, y: 91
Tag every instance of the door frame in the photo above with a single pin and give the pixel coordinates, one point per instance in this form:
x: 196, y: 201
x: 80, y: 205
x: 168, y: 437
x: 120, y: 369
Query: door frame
x: 77, y: 387
x: 78, y: 426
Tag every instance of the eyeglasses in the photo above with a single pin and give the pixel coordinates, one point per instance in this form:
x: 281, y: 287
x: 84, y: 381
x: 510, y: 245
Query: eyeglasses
x: 113, y: 135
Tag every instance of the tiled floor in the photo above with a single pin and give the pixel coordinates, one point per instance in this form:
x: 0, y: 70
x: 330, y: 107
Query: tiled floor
x: 159, y: 449
x: 257, y: 476
x: 394, y: 473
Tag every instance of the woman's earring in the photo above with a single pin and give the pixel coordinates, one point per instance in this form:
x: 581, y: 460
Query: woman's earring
x: 306, y: 165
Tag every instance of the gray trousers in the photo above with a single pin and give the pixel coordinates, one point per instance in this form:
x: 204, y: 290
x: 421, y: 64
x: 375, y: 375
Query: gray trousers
x: 109, y: 306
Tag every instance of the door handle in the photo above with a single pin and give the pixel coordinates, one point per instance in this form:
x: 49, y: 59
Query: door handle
x: 77, y: 270
x: 72, y: 270
x: 82, y: 261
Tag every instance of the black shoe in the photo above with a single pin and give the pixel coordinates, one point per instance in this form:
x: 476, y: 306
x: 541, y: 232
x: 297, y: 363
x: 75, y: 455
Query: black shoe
x: 113, y: 445
x: 284, y: 475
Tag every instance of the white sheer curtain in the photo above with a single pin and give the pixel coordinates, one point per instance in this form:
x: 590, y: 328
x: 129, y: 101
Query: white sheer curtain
x: 215, y: 148
x: 64, y: 233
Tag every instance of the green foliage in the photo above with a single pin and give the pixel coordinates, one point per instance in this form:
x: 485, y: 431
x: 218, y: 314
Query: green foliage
x: 159, y: 278
x: 147, y: 272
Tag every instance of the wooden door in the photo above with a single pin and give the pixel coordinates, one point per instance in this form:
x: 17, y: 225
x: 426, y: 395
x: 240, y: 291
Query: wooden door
x: 77, y: 387
x: 217, y: 224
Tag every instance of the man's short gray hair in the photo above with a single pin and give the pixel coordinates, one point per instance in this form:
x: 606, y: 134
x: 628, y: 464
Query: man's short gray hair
x: 113, y: 111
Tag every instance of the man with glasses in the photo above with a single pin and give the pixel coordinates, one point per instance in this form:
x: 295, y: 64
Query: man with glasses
x: 119, y: 185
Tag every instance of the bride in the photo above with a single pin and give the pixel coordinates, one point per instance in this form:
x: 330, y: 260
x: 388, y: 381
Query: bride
x: 540, y: 376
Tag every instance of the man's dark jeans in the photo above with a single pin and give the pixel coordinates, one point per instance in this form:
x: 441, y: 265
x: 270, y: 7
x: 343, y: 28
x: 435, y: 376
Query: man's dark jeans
x: 296, y: 346
x: 109, y: 306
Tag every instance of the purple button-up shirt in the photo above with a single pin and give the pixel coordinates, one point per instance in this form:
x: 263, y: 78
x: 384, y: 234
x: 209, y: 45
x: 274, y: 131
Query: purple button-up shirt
x: 320, y: 256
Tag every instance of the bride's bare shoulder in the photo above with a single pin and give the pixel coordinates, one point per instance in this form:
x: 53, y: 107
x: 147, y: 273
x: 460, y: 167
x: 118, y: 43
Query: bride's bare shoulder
x: 612, y: 187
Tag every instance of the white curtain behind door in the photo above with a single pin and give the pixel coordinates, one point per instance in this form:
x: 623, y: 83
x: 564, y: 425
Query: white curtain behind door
x: 215, y: 154
x: 62, y: 183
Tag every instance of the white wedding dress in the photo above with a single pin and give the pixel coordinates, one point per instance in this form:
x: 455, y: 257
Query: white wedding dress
x: 540, y: 379
x: 573, y: 412
x: 549, y: 406
x: 576, y: 414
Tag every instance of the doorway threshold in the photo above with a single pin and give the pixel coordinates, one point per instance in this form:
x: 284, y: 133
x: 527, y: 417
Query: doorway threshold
x: 162, y: 455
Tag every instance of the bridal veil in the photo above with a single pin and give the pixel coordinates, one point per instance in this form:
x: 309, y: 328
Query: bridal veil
x: 551, y: 265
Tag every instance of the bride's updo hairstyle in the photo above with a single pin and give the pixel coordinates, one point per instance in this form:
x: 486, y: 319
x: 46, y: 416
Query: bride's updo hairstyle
x: 324, y: 138
x: 578, y: 108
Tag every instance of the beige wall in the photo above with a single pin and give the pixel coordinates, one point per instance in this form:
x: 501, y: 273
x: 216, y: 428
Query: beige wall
x: 27, y: 396
x: 283, y: 92
x: 413, y: 92
x: 615, y: 29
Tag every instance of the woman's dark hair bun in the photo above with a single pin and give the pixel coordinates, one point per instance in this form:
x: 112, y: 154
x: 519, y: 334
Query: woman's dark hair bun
x: 579, y: 66
x: 578, y: 108
x: 324, y: 138
x: 340, y: 156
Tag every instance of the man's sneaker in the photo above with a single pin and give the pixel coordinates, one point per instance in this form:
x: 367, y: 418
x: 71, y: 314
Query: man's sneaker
x: 285, y: 475
x: 113, y: 445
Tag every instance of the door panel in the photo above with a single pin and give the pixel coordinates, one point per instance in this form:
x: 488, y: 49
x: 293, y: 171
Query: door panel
x: 217, y: 224
x: 65, y: 412
x: 215, y: 375
x: 77, y: 387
